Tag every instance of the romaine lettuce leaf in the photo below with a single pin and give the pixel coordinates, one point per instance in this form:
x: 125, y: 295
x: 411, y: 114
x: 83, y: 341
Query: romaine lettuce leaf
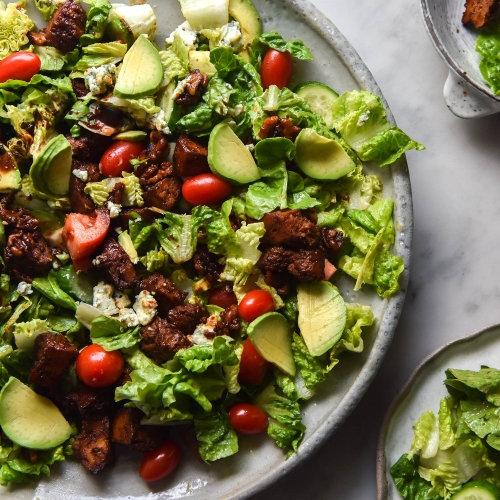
x: 488, y: 46
x: 49, y: 287
x: 311, y: 370
x: 486, y: 380
x: 14, y: 26
x: 97, y: 54
x: 447, y: 422
x: 97, y: 17
x: 426, y: 436
x: 111, y: 335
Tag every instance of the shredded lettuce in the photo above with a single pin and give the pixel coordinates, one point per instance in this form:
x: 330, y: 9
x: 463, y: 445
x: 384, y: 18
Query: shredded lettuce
x: 488, y: 46
x: 111, y: 335
x: 14, y: 26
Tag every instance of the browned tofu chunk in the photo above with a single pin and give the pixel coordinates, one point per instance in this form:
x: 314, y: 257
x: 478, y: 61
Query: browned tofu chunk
x: 81, y: 202
x: 54, y: 354
x: 166, y: 294
x: 90, y: 402
x: 479, y: 12
x: 187, y: 317
x: 93, y: 445
x: 127, y: 430
x: 290, y: 228
x: 190, y: 157
x: 207, y: 264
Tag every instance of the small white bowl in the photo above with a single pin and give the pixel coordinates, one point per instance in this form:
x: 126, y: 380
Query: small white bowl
x: 466, y: 92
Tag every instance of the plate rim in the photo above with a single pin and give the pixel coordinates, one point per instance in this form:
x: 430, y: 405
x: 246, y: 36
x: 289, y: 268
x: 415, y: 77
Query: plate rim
x: 381, y: 472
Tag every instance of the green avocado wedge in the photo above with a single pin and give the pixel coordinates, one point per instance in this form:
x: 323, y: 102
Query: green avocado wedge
x: 322, y: 315
x: 229, y: 158
x: 246, y: 14
x: 272, y: 337
x: 141, y: 73
x: 30, y: 420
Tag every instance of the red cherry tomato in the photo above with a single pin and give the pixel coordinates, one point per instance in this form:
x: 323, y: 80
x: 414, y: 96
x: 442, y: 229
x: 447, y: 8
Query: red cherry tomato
x: 83, y: 234
x: 160, y: 462
x: 255, y: 304
x: 205, y: 189
x: 222, y: 296
x: 277, y: 69
x: 248, y: 419
x: 116, y: 159
x: 253, y: 366
x: 19, y: 66
x: 97, y: 367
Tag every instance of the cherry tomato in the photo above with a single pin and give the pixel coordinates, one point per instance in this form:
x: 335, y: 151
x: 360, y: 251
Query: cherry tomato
x: 160, y: 462
x: 255, y: 304
x: 19, y: 66
x: 248, y: 419
x: 277, y: 69
x: 83, y: 234
x: 205, y: 189
x: 253, y: 366
x: 116, y: 159
x: 97, y: 367
x: 222, y: 296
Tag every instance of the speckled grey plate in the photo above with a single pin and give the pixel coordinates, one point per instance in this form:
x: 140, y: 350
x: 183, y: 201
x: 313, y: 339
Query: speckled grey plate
x: 466, y: 93
x: 260, y: 463
x: 423, y: 391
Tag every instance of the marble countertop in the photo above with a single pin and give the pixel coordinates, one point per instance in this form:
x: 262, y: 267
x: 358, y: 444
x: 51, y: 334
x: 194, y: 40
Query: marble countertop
x: 454, y: 284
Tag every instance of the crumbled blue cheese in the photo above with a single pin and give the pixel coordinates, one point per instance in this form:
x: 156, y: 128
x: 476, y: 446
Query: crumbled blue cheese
x: 179, y: 90
x: 83, y: 175
x: 237, y: 110
x: 250, y: 147
x: 103, y: 299
x: 158, y: 122
x: 363, y: 118
x: 114, y: 209
x: 187, y: 34
x: 127, y: 317
x: 145, y: 307
x: 198, y: 337
x: 24, y: 288
x: 99, y: 78
x: 121, y: 300
x: 230, y: 36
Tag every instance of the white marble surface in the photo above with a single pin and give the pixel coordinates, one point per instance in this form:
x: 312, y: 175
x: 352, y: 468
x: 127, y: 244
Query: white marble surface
x: 454, y: 285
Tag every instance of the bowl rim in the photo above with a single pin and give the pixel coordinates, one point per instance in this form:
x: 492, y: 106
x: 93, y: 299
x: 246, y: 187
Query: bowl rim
x: 433, y: 34
x: 381, y: 465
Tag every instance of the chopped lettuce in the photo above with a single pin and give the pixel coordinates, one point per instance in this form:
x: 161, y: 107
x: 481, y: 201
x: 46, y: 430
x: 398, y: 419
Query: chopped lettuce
x: 111, y: 335
x: 98, y: 54
x: 311, y: 369
x: 488, y: 46
x: 14, y: 26
x: 97, y: 17
x: 48, y: 7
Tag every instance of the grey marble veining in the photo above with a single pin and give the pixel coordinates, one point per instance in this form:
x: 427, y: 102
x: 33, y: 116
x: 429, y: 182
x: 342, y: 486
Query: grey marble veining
x: 455, y: 279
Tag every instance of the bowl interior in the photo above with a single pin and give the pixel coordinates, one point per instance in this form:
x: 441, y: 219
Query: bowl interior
x: 455, y: 42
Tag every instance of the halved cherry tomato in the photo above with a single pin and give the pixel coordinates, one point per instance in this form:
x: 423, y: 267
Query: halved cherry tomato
x: 160, y: 462
x: 253, y: 366
x: 222, y: 296
x: 97, y: 367
x: 205, y: 189
x: 248, y: 419
x: 277, y: 69
x: 19, y: 66
x: 116, y: 159
x: 84, y: 233
x: 255, y: 304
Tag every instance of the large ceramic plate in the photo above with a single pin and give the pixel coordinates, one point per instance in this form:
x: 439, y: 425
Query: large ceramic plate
x: 260, y: 463
x: 423, y: 391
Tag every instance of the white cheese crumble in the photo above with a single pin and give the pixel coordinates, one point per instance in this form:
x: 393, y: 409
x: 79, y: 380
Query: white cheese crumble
x: 99, y: 78
x: 198, y: 337
x: 145, y: 307
x: 230, y: 36
x: 128, y: 317
x: 83, y: 175
x: 237, y: 110
x: 179, y: 90
x: 103, y: 299
x: 250, y: 147
x: 158, y: 122
x: 187, y: 34
x: 24, y: 288
x: 121, y: 300
x: 114, y: 209
x: 363, y: 118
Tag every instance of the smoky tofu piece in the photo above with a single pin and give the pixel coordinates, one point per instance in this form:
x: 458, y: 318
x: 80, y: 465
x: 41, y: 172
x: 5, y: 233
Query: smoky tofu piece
x: 90, y: 402
x: 290, y: 228
x: 161, y: 340
x: 164, y: 194
x: 166, y: 294
x: 307, y: 265
x: 478, y: 13
x: 66, y: 26
x: 81, y: 202
x: 54, y: 354
x: 187, y: 317
x: 89, y: 147
x: 116, y: 265
x: 190, y: 157
x: 207, y: 264
x: 275, y: 259
x: 229, y: 322
x: 127, y: 430
x: 93, y: 445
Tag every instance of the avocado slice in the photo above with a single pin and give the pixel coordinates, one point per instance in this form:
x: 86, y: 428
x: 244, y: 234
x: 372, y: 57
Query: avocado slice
x: 247, y: 15
x: 131, y: 136
x: 168, y: 105
x: 229, y: 158
x: 51, y: 171
x: 30, y: 420
x: 141, y: 73
x: 201, y: 60
x: 321, y: 158
x: 322, y: 315
x: 10, y: 177
x: 272, y: 337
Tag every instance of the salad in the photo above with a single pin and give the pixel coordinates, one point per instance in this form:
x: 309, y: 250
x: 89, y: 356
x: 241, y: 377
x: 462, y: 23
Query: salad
x: 454, y: 455
x: 174, y: 219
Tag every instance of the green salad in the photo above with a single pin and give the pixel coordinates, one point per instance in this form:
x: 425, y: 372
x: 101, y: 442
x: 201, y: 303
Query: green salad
x: 174, y: 222
x: 454, y: 454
